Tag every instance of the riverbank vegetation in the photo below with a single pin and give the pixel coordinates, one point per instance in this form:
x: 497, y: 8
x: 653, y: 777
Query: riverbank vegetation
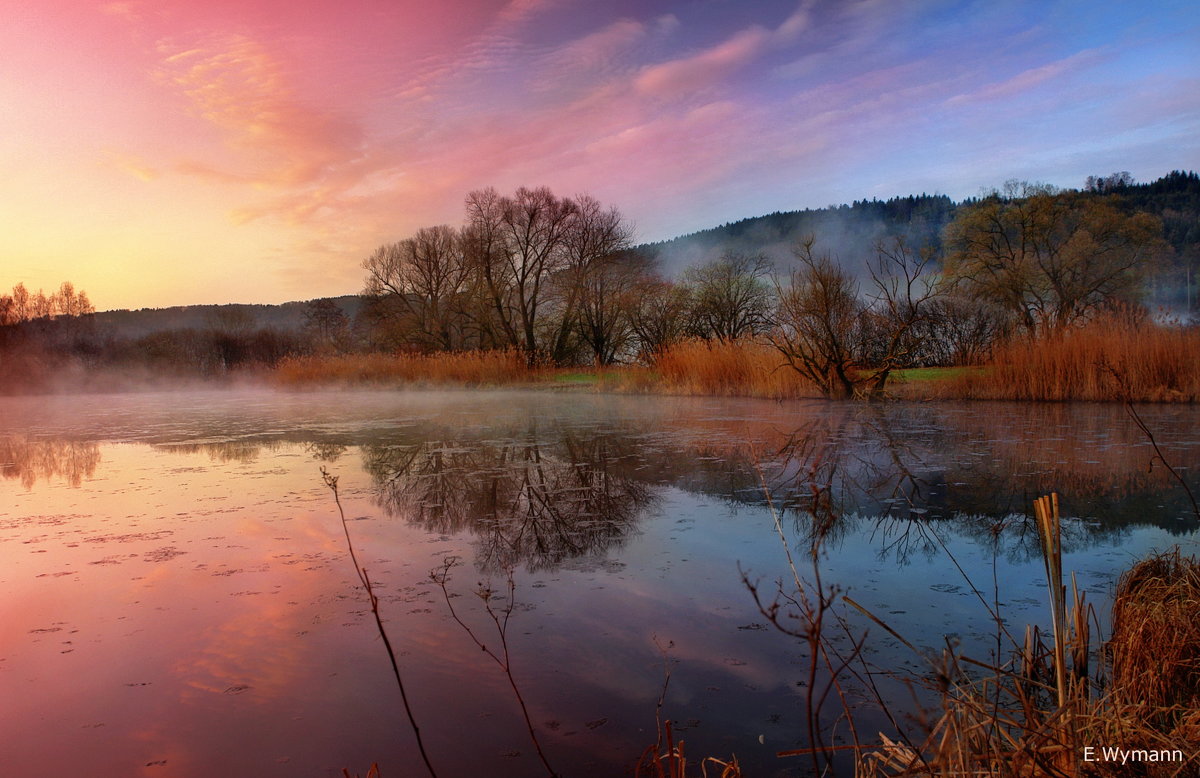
x: 1061, y: 702
x: 1027, y: 293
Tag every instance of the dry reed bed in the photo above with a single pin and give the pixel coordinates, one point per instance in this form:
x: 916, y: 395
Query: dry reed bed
x: 1155, y: 646
x: 1108, y: 360
x: 743, y: 368
x: 471, y: 368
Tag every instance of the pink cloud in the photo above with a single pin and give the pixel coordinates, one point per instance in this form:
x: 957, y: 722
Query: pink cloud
x: 235, y: 84
x: 699, y: 70
x: 1027, y: 79
x: 597, y: 51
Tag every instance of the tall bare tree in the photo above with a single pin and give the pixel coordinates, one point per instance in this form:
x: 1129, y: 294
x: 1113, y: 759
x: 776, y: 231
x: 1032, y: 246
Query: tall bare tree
x: 589, y: 276
x: 608, y: 294
x: 429, y: 275
x: 903, y: 299
x: 731, y: 296
x: 819, y: 322
x: 658, y: 315
x: 849, y: 344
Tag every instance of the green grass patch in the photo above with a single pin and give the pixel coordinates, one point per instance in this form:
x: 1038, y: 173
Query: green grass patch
x: 587, y: 378
x: 935, y: 373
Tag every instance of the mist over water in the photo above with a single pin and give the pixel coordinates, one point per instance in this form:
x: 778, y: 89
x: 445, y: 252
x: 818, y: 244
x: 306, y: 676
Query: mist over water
x: 178, y: 599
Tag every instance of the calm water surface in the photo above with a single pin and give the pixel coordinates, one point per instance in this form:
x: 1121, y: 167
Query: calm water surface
x: 177, y: 599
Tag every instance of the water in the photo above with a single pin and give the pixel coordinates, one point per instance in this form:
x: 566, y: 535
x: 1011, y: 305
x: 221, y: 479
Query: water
x: 178, y: 599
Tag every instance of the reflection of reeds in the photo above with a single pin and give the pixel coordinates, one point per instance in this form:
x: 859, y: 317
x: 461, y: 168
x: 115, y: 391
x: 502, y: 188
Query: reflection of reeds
x: 331, y: 481
x: 33, y: 460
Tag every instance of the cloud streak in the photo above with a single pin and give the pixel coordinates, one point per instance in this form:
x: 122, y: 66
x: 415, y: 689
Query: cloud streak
x: 236, y: 85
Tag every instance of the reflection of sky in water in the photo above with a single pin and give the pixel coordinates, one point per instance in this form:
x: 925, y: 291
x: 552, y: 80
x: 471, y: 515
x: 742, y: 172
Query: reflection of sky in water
x: 190, y: 601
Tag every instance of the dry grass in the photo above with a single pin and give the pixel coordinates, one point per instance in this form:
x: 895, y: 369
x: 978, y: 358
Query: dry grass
x: 1156, y: 364
x: 1034, y: 717
x: 1109, y: 360
x: 673, y: 763
x: 744, y: 368
x: 470, y: 368
x: 1155, y: 645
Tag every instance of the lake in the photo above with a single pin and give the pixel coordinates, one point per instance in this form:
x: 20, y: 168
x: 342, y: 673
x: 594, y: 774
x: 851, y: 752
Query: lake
x: 178, y: 599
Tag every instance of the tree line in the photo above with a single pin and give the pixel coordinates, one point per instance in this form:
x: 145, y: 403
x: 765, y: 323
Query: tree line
x: 558, y: 279
x: 21, y: 306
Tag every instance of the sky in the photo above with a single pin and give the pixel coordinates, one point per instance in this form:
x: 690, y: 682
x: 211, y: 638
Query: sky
x: 256, y: 151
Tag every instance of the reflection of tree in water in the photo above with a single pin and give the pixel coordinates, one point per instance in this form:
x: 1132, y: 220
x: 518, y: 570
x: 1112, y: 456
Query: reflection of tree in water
x: 33, y: 460
x: 239, y: 451
x: 912, y: 473
x: 905, y: 471
x: 325, y: 452
x: 527, y: 500
x: 249, y: 450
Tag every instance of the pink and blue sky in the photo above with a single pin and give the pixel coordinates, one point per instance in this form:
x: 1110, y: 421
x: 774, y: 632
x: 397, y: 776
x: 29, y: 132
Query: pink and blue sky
x: 170, y: 152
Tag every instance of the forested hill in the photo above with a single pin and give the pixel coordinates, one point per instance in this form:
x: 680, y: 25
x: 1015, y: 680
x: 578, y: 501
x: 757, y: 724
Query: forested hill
x: 288, y: 317
x: 847, y: 231
x: 850, y: 231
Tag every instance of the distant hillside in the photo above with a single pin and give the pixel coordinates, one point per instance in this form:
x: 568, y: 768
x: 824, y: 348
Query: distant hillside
x: 287, y: 317
x: 849, y: 232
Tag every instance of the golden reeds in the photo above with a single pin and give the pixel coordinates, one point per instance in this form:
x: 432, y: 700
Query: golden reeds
x: 673, y: 763
x: 1155, y: 644
x: 741, y: 368
x: 1158, y: 363
x: 1032, y: 717
x: 470, y: 368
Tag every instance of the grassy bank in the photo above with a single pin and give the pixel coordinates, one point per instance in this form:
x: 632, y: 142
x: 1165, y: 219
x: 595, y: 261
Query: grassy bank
x: 468, y: 368
x: 1106, y: 361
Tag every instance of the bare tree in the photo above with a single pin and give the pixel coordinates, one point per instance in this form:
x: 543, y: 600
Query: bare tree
x: 484, y: 252
x: 658, y: 315
x: 848, y: 344
x: 327, y: 322
x: 608, y: 295
x: 589, y: 277
x: 429, y: 275
x: 21, y: 303
x: 731, y: 296
x: 819, y: 322
x: 961, y: 330
x: 905, y: 290
x: 534, y: 228
x: 518, y: 244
